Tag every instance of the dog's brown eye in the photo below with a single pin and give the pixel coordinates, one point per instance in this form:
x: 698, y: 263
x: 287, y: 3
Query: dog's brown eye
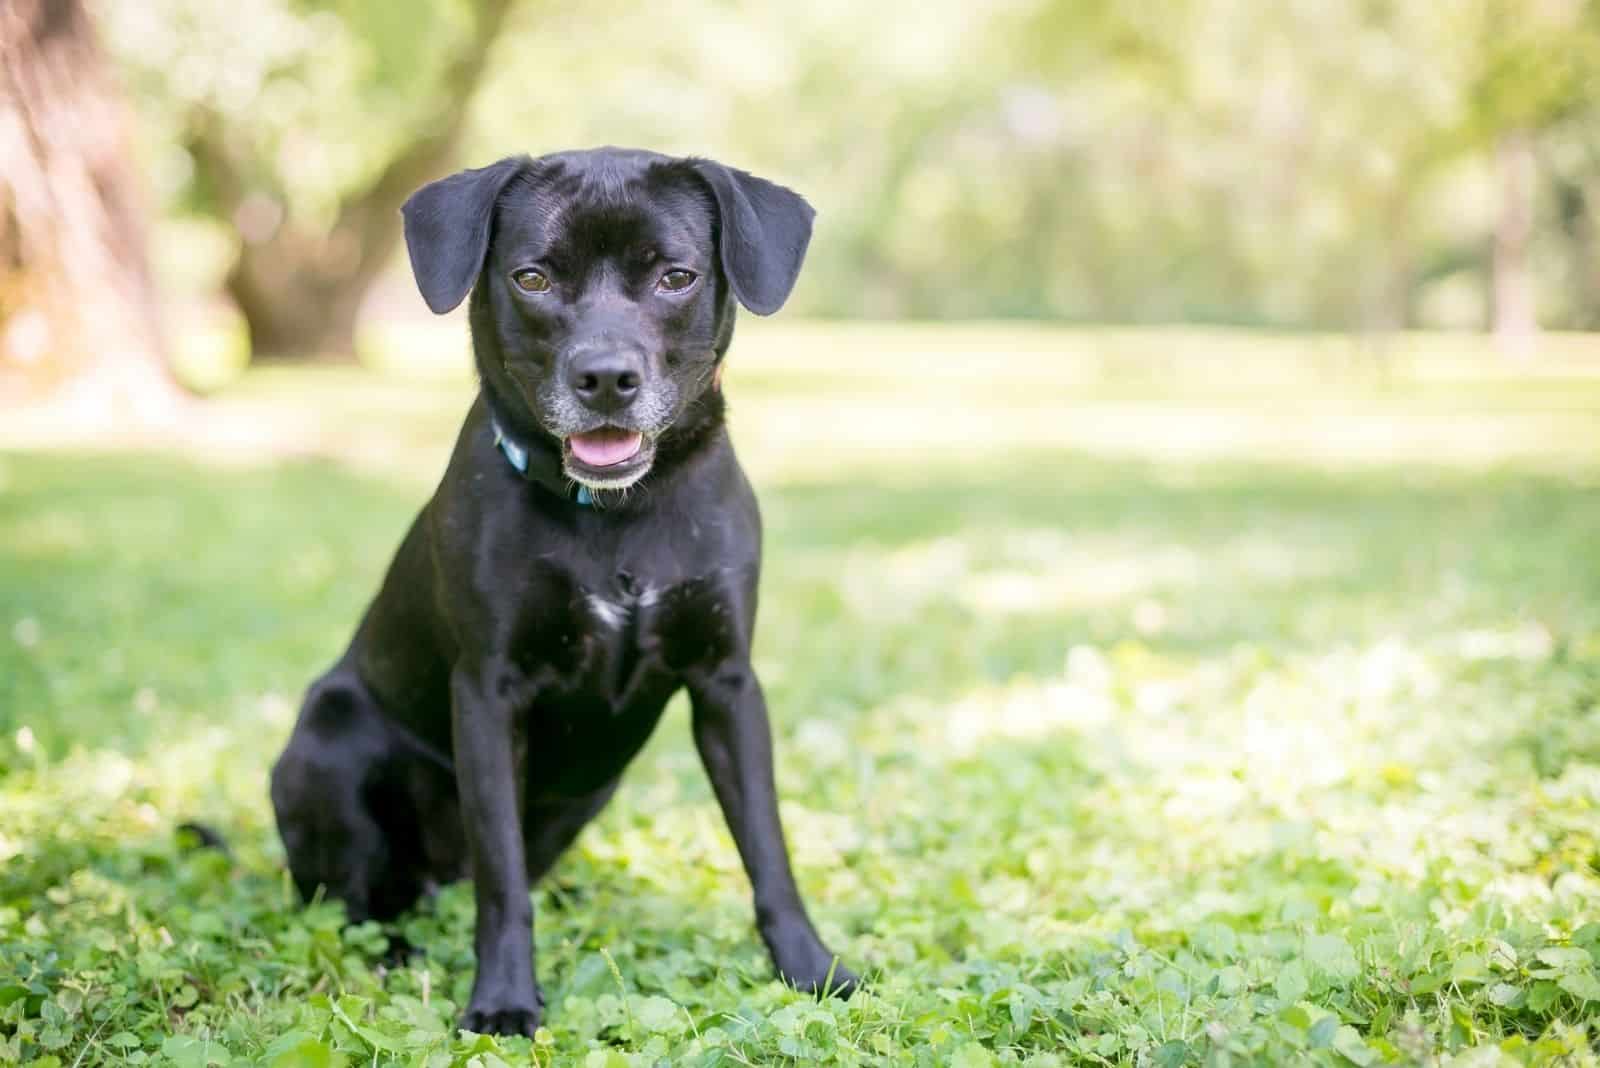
x: 676, y: 281
x: 530, y: 281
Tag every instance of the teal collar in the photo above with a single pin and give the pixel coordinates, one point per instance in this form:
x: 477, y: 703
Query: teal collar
x: 526, y: 465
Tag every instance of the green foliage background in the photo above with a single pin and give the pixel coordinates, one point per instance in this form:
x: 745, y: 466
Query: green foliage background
x: 1301, y: 164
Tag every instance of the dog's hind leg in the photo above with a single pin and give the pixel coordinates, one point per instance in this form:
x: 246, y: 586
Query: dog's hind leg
x: 347, y: 823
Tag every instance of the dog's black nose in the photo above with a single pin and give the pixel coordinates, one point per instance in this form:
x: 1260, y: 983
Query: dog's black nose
x: 606, y: 381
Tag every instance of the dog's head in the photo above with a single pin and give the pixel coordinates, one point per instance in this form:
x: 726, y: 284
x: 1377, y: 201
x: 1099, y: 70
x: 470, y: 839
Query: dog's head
x: 602, y: 288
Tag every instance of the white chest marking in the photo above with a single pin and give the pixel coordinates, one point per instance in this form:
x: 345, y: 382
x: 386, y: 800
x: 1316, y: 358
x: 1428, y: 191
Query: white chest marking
x: 610, y: 613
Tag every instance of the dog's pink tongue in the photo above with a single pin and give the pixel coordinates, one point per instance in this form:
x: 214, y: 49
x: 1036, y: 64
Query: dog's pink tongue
x: 605, y: 447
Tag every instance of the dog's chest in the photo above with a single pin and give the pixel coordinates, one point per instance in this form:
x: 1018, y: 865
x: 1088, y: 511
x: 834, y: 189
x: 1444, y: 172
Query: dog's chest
x: 606, y: 642
x: 605, y: 658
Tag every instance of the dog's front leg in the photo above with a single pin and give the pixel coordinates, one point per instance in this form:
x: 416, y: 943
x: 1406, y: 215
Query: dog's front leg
x: 735, y: 743
x: 490, y: 741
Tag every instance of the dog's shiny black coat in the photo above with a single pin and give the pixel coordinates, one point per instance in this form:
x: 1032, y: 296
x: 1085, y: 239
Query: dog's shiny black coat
x: 523, y: 644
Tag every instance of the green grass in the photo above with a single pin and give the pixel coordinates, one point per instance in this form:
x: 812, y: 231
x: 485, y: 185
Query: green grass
x: 1142, y: 699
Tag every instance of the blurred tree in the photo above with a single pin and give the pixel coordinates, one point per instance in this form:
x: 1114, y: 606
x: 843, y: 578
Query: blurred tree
x: 1516, y: 316
x: 77, y: 308
x: 305, y: 126
x: 1534, y: 66
x: 1573, y: 151
x: 1322, y: 164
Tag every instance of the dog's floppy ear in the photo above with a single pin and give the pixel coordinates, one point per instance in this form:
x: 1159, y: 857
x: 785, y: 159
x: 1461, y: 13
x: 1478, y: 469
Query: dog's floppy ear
x: 447, y: 230
x: 764, y: 232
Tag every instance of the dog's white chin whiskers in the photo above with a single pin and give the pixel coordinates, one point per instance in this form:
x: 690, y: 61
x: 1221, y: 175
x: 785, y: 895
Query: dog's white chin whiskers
x: 603, y: 483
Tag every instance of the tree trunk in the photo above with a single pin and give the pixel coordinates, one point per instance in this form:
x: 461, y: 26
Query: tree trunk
x: 1515, y: 315
x: 1586, y: 272
x: 78, y: 309
x: 299, y: 293
x: 300, y: 289
x: 1580, y: 224
x: 1390, y: 280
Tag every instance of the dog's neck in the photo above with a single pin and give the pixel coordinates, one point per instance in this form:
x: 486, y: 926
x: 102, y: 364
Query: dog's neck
x: 540, y: 467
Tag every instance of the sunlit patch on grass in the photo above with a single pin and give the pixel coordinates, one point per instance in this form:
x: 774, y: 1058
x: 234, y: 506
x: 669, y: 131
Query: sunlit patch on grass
x: 1046, y: 572
x: 46, y: 535
x: 1527, y: 641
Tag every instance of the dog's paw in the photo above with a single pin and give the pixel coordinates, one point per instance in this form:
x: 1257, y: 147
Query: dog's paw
x: 803, y: 961
x: 493, y: 1016
x: 832, y: 980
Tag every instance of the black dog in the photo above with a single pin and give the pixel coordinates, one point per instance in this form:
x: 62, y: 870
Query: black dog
x: 593, y: 547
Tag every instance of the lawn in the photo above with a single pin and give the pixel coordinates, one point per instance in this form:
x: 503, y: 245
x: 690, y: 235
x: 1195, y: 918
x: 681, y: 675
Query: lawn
x: 1142, y: 698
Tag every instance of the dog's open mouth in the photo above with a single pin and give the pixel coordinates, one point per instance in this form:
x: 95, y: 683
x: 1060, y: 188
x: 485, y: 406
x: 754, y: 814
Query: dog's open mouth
x: 607, y: 458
